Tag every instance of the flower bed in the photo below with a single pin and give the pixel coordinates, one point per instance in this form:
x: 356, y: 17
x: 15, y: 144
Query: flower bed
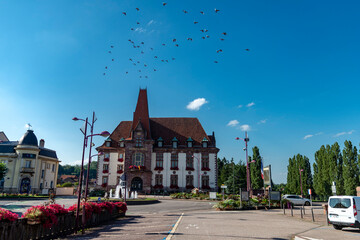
x: 158, y: 168
x: 7, y: 216
x: 53, y: 221
x: 174, y: 168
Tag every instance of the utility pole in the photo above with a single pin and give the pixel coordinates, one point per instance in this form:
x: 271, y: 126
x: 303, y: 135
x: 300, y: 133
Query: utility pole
x: 246, y: 140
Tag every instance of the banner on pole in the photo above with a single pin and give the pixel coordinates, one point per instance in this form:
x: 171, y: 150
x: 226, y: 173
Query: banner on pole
x: 267, y: 175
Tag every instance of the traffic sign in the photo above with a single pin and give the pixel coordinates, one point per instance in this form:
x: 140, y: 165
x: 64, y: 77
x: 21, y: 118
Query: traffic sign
x: 223, y: 186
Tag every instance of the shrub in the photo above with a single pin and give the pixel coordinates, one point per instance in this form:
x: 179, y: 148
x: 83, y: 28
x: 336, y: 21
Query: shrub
x: 97, y: 193
x: 45, y: 214
x: 67, y: 184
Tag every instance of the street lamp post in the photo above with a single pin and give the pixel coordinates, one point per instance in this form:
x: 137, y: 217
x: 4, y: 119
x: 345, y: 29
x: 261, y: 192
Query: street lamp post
x: 103, y: 134
x: 301, y: 170
x: 248, y: 183
x: 80, y: 180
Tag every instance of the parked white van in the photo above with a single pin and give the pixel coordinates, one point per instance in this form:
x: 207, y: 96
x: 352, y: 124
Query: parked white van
x: 344, y: 211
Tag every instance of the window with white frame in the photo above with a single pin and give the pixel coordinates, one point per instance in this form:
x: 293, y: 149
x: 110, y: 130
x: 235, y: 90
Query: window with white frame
x: 27, y: 163
x: 205, y: 161
x: 105, y: 180
x: 205, y: 181
x: 174, y: 180
x: 138, y: 159
x: 174, y: 160
x: 159, y: 160
x: 189, y: 180
x: 189, y: 160
x: 158, y: 179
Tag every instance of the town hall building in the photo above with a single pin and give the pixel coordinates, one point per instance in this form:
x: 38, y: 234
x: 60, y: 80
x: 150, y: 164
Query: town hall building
x: 172, y: 154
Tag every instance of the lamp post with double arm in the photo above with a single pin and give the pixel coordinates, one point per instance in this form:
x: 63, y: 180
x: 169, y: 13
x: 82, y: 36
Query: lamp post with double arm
x: 246, y: 140
x: 103, y: 134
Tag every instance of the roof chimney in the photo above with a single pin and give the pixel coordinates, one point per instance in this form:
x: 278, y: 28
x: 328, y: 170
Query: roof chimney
x: 42, y: 143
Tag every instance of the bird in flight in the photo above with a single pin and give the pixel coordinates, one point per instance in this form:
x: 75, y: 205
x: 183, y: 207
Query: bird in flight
x: 106, y: 67
x: 146, y: 76
x: 137, y: 23
x: 142, y: 52
x: 142, y: 42
x: 145, y: 65
x: 137, y: 9
x: 112, y: 46
x: 155, y: 57
x: 174, y: 40
x: 109, y: 51
x: 124, y: 13
x: 215, y: 61
x: 216, y: 10
x: 224, y: 33
x: 134, y: 64
x: 203, y: 37
x: 222, y: 39
x: 195, y: 22
x: 207, y: 36
x: 113, y: 59
x: 154, y: 70
x: 202, y: 12
x: 176, y: 45
x: 104, y: 74
x: 173, y: 59
x: 132, y: 29
x: 151, y: 49
x: 126, y: 72
x: 204, y: 30
x: 247, y: 49
x: 185, y: 11
x: 220, y: 50
x: 163, y: 44
x: 164, y: 3
x: 130, y: 59
x: 138, y: 61
x: 190, y: 39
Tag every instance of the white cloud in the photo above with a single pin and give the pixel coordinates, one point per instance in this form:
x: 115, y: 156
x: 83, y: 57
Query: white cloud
x: 245, y: 127
x: 250, y: 104
x: 233, y: 123
x: 240, y: 106
x: 150, y: 22
x: 196, y: 104
x: 140, y: 29
x: 344, y: 133
x: 308, y: 136
x: 262, y: 121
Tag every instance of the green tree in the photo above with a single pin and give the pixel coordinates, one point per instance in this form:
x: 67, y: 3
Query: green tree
x: 296, y: 165
x: 350, y: 168
x: 3, y: 170
x: 255, y: 170
x: 338, y: 173
x: 237, y: 177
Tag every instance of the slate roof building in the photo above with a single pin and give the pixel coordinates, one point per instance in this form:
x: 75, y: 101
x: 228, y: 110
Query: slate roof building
x: 32, y: 168
x: 172, y: 154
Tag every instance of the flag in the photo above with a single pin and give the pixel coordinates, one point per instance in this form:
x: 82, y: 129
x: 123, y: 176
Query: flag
x: 139, y: 167
x: 262, y: 170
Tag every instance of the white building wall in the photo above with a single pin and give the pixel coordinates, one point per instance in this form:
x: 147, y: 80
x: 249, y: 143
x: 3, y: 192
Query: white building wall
x: 197, y: 171
x: 167, y: 171
x: 182, y: 166
x: 100, y: 170
x: 153, y: 165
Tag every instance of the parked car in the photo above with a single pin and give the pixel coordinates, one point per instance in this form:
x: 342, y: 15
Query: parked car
x: 297, y: 200
x: 343, y: 211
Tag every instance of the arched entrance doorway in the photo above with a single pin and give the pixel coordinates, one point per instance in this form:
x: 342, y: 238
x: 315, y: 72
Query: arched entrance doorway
x: 136, y: 184
x: 25, y: 185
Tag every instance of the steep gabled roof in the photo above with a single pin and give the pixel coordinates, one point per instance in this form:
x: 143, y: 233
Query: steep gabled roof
x: 141, y: 113
x: 3, y: 137
x: 181, y: 128
x: 123, y: 130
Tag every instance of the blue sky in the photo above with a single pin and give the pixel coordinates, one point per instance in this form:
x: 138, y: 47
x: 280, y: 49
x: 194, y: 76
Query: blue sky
x: 301, y: 73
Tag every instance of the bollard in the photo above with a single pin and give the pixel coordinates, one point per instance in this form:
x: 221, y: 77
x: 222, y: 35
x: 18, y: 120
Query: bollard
x: 291, y: 207
x: 304, y: 210
x: 301, y: 212
x: 284, y: 208
x: 327, y: 220
x: 312, y: 213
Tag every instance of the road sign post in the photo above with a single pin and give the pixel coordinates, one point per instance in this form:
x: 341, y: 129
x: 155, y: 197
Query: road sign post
x: 223, y: 191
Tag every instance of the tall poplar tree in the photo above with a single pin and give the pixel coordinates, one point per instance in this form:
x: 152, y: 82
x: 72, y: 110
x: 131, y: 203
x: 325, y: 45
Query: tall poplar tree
x: 297, y: 163
x: 350, y: 168
x: 255, y: 170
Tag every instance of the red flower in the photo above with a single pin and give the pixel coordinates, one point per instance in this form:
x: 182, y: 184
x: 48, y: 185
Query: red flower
x: 105, y: 171
x: 120, y: 159
x: 104, y: 184
x: 7, y: 215
x: 174, y: 186
x: 106, y: 159
x: 158, y: 186
x: 189, y: 187
x: 159, y: 168
x: 205, y: 169
x: 190, y: 169
x: 174, y: 168
x: 120, y: 171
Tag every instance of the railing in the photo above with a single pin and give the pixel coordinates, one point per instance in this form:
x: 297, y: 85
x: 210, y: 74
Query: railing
x: 27, y: 170
x: 21, y: 230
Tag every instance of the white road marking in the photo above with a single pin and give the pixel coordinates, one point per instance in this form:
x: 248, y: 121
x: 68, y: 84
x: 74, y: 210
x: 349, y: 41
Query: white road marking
x: 174, y: 228
x: 305, y: 238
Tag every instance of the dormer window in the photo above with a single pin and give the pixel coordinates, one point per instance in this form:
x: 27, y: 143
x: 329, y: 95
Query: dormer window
x: 121, y: 143
x: 204, y: 143
x: 138, y: 142
x: 189, y: 142
x: 160, y: 142
x: 108, y: 142
x: 174, y: 142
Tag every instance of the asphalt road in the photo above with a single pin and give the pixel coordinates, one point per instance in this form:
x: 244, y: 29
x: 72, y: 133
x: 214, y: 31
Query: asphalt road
x: 198, y: 220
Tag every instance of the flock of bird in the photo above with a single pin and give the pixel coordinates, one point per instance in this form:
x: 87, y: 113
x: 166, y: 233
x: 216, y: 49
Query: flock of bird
x: 143, y: 67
